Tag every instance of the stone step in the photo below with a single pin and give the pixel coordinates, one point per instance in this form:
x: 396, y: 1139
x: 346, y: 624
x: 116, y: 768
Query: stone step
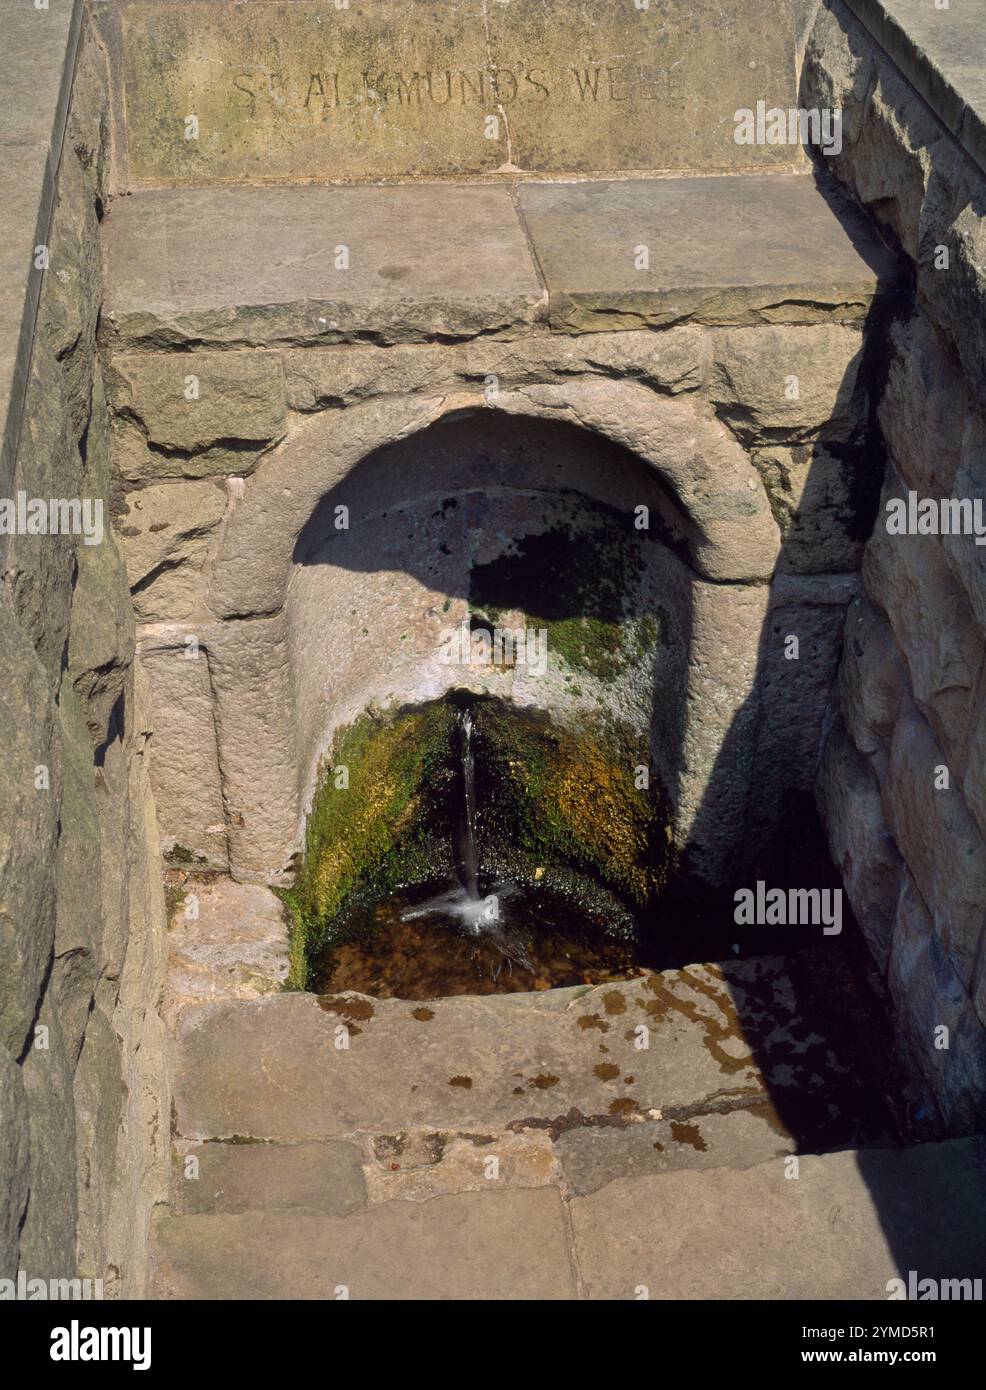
x: 845, y: 1226
x: 262, y: 266
x: 842, y: 1227
x: 339, y: 1176
x: 490, y: 1245
x: 683, y: 1046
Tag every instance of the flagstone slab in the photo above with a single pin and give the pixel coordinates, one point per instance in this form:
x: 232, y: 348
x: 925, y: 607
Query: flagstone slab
x: 727, y: 251
x: 310, y: 265
x: 510, y: 1244
x: 839, y: 1226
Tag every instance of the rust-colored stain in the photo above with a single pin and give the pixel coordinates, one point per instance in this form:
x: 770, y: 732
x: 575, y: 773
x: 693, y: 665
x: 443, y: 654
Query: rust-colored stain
x: 606, y: 1071
x: 614, y: 1002
x: 543, y: 1082
x: 464, y: 1081
x: 715, y: 1031
x: 422, y: 1014
x: 349, y: 1007
x: 629, y: 1080
x: 593, y: 1021
x: 658, y: 1146
x: 683, y: 1133
x: 624, y: 1106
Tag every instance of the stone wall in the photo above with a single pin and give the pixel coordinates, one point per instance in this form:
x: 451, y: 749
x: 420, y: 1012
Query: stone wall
x: 903, y: 784
x: 84, y: 1108
x: 257, y: 655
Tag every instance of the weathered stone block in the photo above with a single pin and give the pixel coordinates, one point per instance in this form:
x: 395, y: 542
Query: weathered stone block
x: 814, y: 496
x: 861, y: 844
x: 788, y: 385
x: 164, y: 534
x: 215, y: 266
x: 251, y: 678
x: 393, y: 88
x: 199, y: 416
x: 235, y: 948
x: 958, y: 294
x: 872, y: 681
x: 792, y: 698
x: 98, y: 1091
x: 101, y: 636
x: 77, y: 870
x: 907, y: 169
x: 73, y: 289
x: 929, y: 995
x: 966, y: 556
x: 40, y: 569
x: 15, y: 1160
x: 28, y: 831
x: 672, y: 362
x: 326, y: 1178
x: 972, y: 773
x: 923, y: 408
x: 183, y: 754
x: 839, y: 68
x: 590, y: 239
x: 933, y: 623
x: 939, y: 839
x: 719, y: 726
x: 48, y: 1237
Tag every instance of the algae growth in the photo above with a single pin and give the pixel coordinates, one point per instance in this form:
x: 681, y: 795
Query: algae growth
x: 559, y: 809
x: 586, y: 585
x: 380, y: 819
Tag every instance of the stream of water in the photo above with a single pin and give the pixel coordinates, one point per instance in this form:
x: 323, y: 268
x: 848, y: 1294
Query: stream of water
x: 465, y: 906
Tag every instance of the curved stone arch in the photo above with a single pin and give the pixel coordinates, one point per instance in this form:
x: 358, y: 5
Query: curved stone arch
x: 732, y: 533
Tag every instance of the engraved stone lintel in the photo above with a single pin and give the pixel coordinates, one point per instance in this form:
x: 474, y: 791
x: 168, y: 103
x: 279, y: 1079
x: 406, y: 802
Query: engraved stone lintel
x: 451, y: 88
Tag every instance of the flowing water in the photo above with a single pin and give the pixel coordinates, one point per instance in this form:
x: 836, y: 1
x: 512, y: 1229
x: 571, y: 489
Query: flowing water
x: 465, y: 906
x: 473, y: 937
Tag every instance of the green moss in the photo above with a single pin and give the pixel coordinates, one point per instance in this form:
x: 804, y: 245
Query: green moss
x: 386, y: 826
x: 587, y: 586
x: 174, y: 896
x: 557, y: 797
x: 557, y: 807
x: 178, y: 854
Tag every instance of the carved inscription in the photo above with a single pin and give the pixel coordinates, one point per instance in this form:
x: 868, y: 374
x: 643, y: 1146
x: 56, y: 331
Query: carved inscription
x: 216, y: 89
x: 487, y: 88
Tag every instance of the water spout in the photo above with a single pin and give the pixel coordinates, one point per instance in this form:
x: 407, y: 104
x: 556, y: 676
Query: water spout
x: 476, y: 914
x: 468, y: 850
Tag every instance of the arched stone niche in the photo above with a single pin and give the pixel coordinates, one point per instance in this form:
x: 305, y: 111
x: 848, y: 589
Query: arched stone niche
x: 314, y: 622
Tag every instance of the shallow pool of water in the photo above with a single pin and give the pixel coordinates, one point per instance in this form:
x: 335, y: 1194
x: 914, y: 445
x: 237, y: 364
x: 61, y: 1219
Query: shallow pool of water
x: 433, y: 955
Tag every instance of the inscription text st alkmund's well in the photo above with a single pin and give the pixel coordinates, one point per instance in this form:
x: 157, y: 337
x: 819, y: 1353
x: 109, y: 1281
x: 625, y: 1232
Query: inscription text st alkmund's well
x: 392, y: 88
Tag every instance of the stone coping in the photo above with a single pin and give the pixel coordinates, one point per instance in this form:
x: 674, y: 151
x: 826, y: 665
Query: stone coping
x: 258, y: 266
x: 941, y: 53
x: 37, y: 60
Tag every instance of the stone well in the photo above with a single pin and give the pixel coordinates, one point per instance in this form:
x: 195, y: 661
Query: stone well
x: 345, y: 314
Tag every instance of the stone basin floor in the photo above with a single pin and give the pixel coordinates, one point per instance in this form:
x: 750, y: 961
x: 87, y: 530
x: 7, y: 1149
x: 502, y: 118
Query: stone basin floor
x: 620, y: 1141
